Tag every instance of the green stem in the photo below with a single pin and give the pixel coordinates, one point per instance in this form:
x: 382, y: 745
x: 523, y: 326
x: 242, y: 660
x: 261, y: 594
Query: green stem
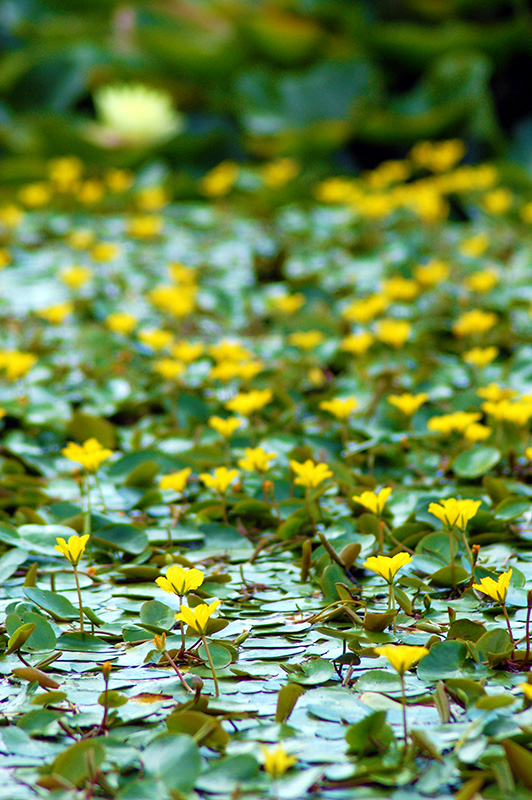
x: 405, y: 729
x: 451, y: 548
x: 98, y: 484
x: 468, y: 550
x: 79, y: 598
x: 177, y: 672
x: 209, y: 658
x: 507, y: 618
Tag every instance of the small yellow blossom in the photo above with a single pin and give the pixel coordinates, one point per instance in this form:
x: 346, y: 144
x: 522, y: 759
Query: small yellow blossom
x: 494, y: 392
x: 453, y: 512
x: 34, y: 195
x: 432, y: 274
x: 309, y: 474
x: 393, y: 332
x: 103, y: 252
x: 176, y: 481
x: 408, y: 403
x: 387, y: 567
x: 340, y: 407
x: 373, y: 501
x: 151, y: 198
x: 119, y: 180
x: 145, y: 227
x: 316, y: 377
x: 156, y: 338
x: 225, y: 427
x: 498, y: 589
x: 228, y: 350
x: 399, y: 288
x: 475, y: 246
x: 334, y: 190
x: 277, y: 762
x: 179, y: 580
x: 220, y: 480
x: 121, y: 322
x: 76, y: 276
x: 220, y: 180
x: 197, y: 618
x: 90, y: 192
x: 357, y: 343
x: 11, y: 216
x: 401, y: 656
x: 498, y: 201
x: 526, y: 688
x: 16, y: 363
x: 187, y: 352
x: 277, y: 173
x: 288, y: 303
x: 517, y: 412
x: 90, y: 454
x: 176, y: 300
x: 477, y: 432
x: 181, y: 274
x: 80, y: 239
x: 306, y: 340
x: 56, y: 314
x: 247, y: 403
x: 74, y: 549
x: 256, y: 460
x: 364, y: 311
x: 528, y: 451
x: 457, y: 422
x: 481, y: 356
x: 482, y: 282
x: 169, y: 368
x: 437, y: 156
x: 5, y: 258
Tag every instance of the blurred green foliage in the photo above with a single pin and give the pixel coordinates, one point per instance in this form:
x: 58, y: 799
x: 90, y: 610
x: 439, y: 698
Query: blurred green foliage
x: 335, y: 81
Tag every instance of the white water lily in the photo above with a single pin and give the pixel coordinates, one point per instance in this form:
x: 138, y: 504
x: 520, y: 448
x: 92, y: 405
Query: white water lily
x: 134, y: 116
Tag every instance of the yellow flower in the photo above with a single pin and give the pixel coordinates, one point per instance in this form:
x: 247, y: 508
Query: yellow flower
x: 225, y: 371
x: 65, y: 172
x: 80, y: 239
x: 156, y: 338
x: 475, y: 321
x: 90, y: 454
x: 225, y: 427
x: 220, y: 480
x: 169, y: 368
x: 11, y: 216
x: 34, y: 195
x: 134, y: 115
x: 475, y: 246
x: 246, y: 403
x: 90, y: 192
x: 399, y: 288
x: 187, y: 352
x: 104, y: 252
x: 498, y: 589
x: 220, y: 180
x: 228, y: 350
x: 494, y: 392
x: 288, y: 303
x: 373, y: 501
x: 181, y: 274
x: 357, y: 343
x: 176, y: 300
x: 455, y: 512
x: 119, y: 180
x: 387, y: 567
x: 432, y: 274
x: 477, y: 432
x: 394, y: 332
x: 437, y: 156
x: 364, y: 311
x: 457, y: 421
x: 175, y: 480
x: 483, y: 281
x: 76, y: 276
x: 152, y: 198
x: 279, y: 172
x: 306, y: 340
x: 56, y: 314
x: 277, y: 762
x: 310, y: 474
x: 339, y: 407
x: 16, y: 363
x: 179, y: 580
x: 146, y: 227
x: 526, y: 688
x: 121, y: 322
x: 401, y: 656
x: 528, y: 452
x: 74, y: 549
x: 408, y: 403
x: 257, y: 459
x: 481, y: 356
x: 498, y: 201
x: 518, y: 412
x: 198, y: 617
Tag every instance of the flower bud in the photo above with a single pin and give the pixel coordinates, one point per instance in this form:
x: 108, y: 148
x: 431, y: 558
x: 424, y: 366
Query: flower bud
x: 160, y: 642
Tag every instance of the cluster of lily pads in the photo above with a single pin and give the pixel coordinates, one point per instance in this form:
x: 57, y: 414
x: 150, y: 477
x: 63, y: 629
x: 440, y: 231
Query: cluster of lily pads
x: 255, y: 468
